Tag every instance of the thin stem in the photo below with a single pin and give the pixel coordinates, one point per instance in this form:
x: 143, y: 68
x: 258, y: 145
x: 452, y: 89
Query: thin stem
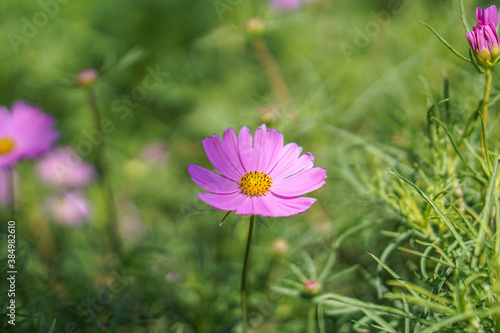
x: 12, y: 192
x: 100, y: 163
x: 484, y: 111
x: 274, y: 76
x: 244, y: 275
x: 311, y: 317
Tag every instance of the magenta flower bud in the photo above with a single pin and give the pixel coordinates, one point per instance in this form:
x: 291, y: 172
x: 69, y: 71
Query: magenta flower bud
x: 25, y: 132
x: 87, y: 77
x: 487, y: 16
x: 483, y: 39
x: 64, y: 169
x: 72, y: 209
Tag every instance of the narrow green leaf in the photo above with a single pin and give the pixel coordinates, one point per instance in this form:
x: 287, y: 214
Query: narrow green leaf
x: 464, y: 19
x: 311, y: 269
x: 458, y: 54
x: 484, y: 221
x: 329, y: 297
x: 424, y: 303
x: 379, y: 320
x: 443, y: 216
x: 394, y: 274
x: 451, y: 320
x: 429, y: 294
x: 425, y: 256
x: 385, y: 254
x: 52, y: 327
x: 456, y: 148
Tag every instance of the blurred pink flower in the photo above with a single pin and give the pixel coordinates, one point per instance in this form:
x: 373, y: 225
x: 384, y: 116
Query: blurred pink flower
x: 63, y: 168
x: 155, y: 153
x: 71, y: 209
x: 87, y: 77
x: 483, y: 39
x: 264, y: 178
x: 26, y: 132
x: 286, y: 5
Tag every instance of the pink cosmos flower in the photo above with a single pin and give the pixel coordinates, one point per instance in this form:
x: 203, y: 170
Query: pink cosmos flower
x: 26, y: 132
x: 286, y: 5
x: 264, y: 178
x: 483, y: 39
x: 62, y: 168
x: 71, y: 209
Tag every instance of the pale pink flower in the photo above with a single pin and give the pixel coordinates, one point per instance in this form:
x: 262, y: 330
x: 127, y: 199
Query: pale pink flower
x: 25, y: 132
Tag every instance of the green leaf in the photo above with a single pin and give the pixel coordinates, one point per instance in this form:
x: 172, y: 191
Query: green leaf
x: 443, y: 216
x: 379, y: 320
x: 458, y: 54
x: 464, y: 19
x: 476, y: 174
x: 52, y: 327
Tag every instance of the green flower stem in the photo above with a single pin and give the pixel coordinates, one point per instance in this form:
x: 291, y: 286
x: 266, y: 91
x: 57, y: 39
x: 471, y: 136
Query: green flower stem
x: 100, y: 163
x: 484, y: 112
x: 12, y: 192
x: 311, y: 316
x: 244, y: 275
x: 275, y: 77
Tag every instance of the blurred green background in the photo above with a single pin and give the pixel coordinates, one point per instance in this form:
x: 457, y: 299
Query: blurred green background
x: 357, y: 73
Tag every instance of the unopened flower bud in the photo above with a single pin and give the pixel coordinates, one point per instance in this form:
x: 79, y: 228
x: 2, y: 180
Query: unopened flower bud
x: 311, y: 288
x: 255, y: 27
x: 87, y: 77
x: 280, y: 246
x: 269, y: 114
x: 483, y: 39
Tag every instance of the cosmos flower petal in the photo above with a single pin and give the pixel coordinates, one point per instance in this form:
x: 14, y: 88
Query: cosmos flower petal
x: 291, y: 167
x: 212, y: 181
x: 487, y: 16
x: 277, y: 206
x: 247, y: 207
x: 30, y: 131
x: 219, y: 158
x: 267, y: 147
x: 245, y: 149
x: 228, y: 202
x: 301, y: 183
x: 287, y: 156
x: 36, y: 127
x: 231, y: 145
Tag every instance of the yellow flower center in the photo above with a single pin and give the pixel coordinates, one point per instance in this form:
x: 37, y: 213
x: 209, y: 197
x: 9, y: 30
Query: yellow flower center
x: 6, y: 145
x: 255, y: 183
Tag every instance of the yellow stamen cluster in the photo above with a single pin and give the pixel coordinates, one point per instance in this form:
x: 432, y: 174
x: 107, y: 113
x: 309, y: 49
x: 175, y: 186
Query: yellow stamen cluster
x: 255, y: 183
x: 6, y: 145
